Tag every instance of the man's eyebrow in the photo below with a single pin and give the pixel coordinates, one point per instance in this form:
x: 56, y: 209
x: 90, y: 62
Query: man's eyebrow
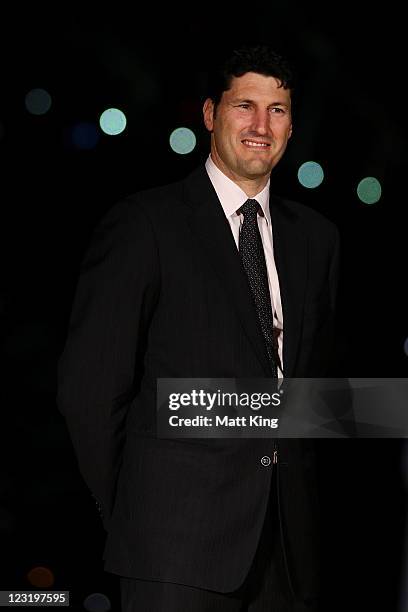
x: 248, y: 101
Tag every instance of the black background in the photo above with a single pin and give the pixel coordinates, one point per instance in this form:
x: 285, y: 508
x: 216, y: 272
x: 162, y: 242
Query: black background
x: 349, y: 116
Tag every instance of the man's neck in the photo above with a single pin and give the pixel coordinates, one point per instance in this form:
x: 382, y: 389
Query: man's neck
x: 251, y: 187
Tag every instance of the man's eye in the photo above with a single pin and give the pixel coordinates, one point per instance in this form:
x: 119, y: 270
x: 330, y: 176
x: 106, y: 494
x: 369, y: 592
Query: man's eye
x: 243, y: 105
x: 276, y: 109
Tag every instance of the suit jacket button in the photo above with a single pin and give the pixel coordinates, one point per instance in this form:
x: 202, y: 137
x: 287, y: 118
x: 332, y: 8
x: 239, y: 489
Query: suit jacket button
x: 266, y: 461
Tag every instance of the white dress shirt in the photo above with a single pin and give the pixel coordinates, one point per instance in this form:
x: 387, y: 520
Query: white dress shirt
x: 232, y: 198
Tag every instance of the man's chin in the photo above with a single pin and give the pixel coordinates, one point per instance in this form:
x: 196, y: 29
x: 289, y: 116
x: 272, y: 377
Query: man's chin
x: 256, y: 169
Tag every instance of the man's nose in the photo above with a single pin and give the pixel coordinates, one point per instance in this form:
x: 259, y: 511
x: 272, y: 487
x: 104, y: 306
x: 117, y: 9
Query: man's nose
x: 261, y: 122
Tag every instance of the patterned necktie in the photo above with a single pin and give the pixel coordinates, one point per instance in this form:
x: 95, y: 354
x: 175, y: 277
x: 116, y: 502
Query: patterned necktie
x: 253, y: 259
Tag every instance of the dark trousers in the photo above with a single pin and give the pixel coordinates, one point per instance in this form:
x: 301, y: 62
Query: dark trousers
x: 265, y: 588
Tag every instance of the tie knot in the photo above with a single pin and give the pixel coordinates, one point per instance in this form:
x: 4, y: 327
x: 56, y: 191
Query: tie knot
x: 250, y: 209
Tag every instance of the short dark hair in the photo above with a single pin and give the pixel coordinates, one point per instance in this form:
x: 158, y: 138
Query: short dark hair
x: 260, y: 58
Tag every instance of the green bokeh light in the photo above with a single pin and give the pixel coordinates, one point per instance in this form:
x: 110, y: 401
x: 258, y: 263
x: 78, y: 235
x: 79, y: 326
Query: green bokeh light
x: 182, y: 140
x: 112, y: 121
x: 369, y: 190
x: 38, y: 101
x: 310, y: 174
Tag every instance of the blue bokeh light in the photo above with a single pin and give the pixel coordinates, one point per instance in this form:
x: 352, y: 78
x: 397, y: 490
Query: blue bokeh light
x: 97, y: 602
x: 85, y: 135
x: 310, y: 174
x: 182, y: 140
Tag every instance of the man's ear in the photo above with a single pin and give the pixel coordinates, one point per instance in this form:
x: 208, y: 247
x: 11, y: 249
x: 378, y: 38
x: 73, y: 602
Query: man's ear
x: 290, y: 131
x: 208, y: 114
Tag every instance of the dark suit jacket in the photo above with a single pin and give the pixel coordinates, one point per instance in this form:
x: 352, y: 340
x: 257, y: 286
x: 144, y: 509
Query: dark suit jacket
x: 162, y: 293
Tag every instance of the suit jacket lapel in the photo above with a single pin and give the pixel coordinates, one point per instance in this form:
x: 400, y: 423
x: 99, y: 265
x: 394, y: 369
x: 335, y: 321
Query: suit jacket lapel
x: 209, y: 224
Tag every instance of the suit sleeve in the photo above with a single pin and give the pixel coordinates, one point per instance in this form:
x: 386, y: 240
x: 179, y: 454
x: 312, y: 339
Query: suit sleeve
x: 101, y: 364
x: 321, y: 351
x: 334, y: 269
x: 333, y: 363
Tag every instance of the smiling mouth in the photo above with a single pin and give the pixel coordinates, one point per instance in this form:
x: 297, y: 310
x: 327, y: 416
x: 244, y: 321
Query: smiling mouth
x: 258, y: 146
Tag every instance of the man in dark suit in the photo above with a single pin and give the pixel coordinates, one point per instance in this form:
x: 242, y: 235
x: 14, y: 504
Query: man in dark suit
x: 173, y: 286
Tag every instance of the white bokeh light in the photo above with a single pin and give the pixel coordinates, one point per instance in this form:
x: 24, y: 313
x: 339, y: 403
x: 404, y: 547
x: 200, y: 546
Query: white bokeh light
x: 112, y: 121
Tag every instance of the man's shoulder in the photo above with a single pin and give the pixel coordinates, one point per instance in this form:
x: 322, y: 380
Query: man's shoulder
x: 153, y: 202
x: 162, y: 203
x: 146, y: 198
x: 140, y: 211
x: 158, y: 195
x: 309, y: 220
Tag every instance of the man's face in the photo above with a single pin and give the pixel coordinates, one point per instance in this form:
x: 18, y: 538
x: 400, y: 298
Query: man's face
x: 251, y: 126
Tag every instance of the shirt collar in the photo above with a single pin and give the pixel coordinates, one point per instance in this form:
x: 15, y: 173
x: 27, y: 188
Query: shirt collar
x: 231, y: 196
